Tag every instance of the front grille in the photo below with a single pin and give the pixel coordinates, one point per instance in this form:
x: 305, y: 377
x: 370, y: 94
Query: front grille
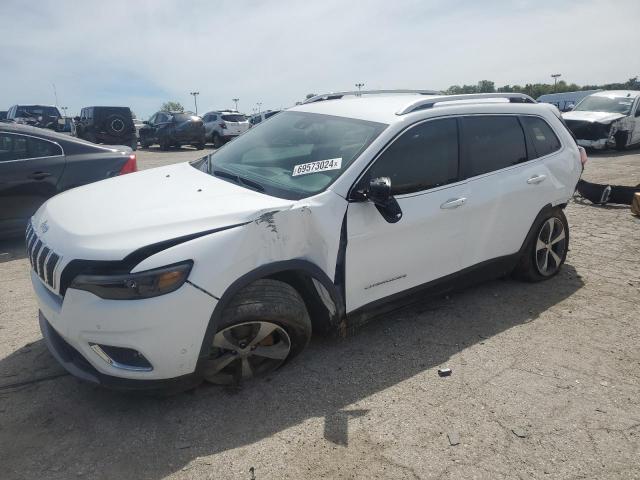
x: 43, y: 260
x: 588, y: 130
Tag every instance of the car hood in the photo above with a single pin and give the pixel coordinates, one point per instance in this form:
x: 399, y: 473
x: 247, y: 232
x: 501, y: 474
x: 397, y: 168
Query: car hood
x: 109, y: 219
x: 600, y: 117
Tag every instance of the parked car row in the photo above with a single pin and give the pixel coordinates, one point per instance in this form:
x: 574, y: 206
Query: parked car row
x: 113, y: 125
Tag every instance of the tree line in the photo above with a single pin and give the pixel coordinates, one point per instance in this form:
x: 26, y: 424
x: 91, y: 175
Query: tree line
x: 536, y: 89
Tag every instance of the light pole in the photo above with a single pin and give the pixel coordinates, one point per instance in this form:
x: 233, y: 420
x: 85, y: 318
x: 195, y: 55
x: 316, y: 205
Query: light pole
x: 259, y: 105
x: 555, y: 81
x: 359, y: 85
x: 236, y: 100
x: 195, y: 99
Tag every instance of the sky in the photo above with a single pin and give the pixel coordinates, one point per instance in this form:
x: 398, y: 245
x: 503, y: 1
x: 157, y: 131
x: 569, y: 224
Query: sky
x: 141, y: 53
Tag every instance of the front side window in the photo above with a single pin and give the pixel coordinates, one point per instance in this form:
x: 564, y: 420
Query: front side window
x: 597, y: 103
x: 294, y: 155
x: 424, y: 157
x: 491, y: 142
x: 543, y: 140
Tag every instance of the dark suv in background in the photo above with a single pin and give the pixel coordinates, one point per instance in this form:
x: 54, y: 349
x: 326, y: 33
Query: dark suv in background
x: 108, y: 125
x: 42, y: 116
x: 173, y: 129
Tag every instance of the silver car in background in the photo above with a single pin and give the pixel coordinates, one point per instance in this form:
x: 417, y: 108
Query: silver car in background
x: 224, y: 125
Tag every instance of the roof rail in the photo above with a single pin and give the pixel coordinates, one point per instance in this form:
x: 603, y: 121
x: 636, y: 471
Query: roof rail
x: 338, y: 95
x: 431, y: 102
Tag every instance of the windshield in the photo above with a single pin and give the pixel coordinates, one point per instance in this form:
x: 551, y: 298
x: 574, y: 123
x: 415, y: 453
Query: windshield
x: 605, y: 104
x: 294, y: 155
x: 234, y: 118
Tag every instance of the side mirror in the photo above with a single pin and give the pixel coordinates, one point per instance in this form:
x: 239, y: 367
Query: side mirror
x: 76, y: 118
x: 379, y: 193
x: 379, y: 190
x: 570, y: 107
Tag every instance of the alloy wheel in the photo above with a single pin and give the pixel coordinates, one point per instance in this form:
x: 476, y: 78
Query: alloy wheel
x: 247, y: 350
x: 551, y: 246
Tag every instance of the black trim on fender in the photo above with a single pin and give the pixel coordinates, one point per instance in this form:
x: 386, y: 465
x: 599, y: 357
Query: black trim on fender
x: 264, y: 271
x: 120, y: 267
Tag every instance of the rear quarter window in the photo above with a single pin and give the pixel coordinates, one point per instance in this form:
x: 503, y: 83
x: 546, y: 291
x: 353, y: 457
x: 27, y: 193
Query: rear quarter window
x: 541, y: 137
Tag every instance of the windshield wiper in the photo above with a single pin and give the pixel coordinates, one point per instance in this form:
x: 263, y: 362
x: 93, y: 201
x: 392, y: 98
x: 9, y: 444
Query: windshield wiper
x: 239, y: 180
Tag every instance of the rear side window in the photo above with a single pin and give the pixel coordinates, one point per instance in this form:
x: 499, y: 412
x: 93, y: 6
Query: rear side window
x: 18, y: 147
x: 424, y: 157
x: 542, y: 138
x: 491, y: 143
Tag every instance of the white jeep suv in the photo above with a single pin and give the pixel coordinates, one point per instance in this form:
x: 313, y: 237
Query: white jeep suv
x: 221, y: 269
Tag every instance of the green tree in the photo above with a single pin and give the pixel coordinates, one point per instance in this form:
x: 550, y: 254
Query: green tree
x: 172, y: 107
x: 486, y: 86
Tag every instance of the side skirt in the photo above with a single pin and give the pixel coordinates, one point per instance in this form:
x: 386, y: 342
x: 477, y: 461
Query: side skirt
x: 488, y: 270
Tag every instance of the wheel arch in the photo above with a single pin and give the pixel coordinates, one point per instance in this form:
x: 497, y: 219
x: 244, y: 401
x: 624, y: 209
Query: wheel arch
x: 542, y: 214
x: 302, y: 275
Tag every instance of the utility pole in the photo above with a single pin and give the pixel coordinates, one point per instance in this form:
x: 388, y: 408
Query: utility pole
x: 359, y: 85
x: 55, y: 93
x: 259, y: 105
x: 236, y: 100
x: 555, y: 81
x: 195, y: 99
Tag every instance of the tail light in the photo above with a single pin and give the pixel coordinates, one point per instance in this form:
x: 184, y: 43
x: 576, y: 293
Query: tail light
x: 222, y: 125
x: 583, y: 155
x: 130, y: 166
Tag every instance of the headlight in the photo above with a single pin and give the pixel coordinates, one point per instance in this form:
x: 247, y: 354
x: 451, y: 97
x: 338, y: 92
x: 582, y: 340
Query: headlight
x: 135, y: 286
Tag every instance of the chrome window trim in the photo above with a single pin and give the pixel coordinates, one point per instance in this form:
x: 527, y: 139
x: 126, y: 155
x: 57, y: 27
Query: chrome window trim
x: 37, y: 138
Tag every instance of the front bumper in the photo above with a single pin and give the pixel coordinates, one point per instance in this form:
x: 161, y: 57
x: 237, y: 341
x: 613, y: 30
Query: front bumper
x: 167, y: 330
x: 78, y: 366
x: 599, y: 144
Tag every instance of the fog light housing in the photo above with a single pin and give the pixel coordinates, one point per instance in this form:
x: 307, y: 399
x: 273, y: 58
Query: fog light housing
x: 123, y: 358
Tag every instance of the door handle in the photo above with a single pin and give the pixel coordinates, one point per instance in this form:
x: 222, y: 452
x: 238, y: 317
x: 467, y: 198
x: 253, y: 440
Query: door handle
x: 453, y: 203
x: 39, y: 175
x: 536, y: 179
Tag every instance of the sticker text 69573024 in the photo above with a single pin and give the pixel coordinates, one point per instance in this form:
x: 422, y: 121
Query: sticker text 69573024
x: 319, y: 166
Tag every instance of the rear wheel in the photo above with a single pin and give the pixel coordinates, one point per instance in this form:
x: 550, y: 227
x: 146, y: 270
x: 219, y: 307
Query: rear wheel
x: 264, y: 326
x: 164, y: 144
x: 547, y: 251
x: 217, y: 140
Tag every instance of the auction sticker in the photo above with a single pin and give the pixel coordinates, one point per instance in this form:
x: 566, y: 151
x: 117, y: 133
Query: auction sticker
x: 319, y: 166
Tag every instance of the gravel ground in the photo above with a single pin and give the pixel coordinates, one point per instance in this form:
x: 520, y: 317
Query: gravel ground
x: 545, y: 384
